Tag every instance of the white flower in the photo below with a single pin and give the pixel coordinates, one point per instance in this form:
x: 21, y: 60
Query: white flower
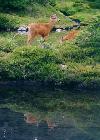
x: 63, y: 67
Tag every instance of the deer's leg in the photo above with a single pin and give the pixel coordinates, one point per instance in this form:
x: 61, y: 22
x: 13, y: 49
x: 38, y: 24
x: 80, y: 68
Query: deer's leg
x: 30, y: 38
x: 61, y: 40
x: 45, y: 38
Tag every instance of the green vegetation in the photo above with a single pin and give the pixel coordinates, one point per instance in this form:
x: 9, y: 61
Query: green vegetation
x: 74, y: 63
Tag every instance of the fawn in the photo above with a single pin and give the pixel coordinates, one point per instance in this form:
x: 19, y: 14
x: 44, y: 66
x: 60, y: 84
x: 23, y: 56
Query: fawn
x: 70, y: 36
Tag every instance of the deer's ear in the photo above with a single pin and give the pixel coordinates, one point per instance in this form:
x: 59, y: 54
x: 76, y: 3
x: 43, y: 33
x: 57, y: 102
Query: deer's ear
x: 54, y: 15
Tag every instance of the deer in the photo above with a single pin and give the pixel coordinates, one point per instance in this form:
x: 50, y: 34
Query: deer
x: 70, y: 36
x: 31, y: 119
x: 41, y: 29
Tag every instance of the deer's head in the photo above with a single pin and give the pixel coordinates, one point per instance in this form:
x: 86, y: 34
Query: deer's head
x: 54, y: 18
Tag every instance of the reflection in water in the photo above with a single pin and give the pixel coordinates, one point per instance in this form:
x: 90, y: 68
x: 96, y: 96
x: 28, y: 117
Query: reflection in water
x: 29, y: 118
x: 14, y: 126
x: 53, y: 115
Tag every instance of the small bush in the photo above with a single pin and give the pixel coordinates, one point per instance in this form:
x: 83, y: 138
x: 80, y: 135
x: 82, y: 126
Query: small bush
x: 94, y: 4
x: 31, y: 63
x: 89, y: 37
x: 8, y: 22
x: 21, y: 5
x: 14, y: 5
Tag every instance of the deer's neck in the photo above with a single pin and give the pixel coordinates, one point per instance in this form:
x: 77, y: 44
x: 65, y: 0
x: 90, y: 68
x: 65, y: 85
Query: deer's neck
x: 51, y: 24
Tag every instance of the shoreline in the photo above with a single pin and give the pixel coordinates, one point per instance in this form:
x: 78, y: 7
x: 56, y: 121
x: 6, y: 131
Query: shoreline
x: 49, y: 85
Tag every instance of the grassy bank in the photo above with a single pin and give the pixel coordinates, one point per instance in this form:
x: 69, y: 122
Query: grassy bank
x: 74, y: 63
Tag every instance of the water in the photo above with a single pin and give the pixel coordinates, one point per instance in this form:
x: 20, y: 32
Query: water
x: 41, y: 114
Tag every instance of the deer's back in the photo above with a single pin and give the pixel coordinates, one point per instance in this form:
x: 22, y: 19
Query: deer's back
x: 42, y: 29
x: 71, y: 35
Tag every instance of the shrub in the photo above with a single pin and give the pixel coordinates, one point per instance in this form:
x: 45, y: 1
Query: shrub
x: 8, y: 22
x: 89, y: 37
x: 31, y: 63
x: 44, y: 2
x: 89, y: 40
x: 72, y: 7
x: 94, y: 4
x: 15, y: 5
x: 20, y: 5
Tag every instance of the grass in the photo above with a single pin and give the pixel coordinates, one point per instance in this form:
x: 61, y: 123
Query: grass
x: 79, y: 57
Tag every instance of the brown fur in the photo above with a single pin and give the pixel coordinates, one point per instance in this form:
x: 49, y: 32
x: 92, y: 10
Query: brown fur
x: 30, y: 119
x: 70, y: 36
x: 41, y: 29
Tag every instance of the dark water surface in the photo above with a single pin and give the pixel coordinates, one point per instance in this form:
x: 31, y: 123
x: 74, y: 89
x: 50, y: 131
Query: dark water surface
x: 39, y: 114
